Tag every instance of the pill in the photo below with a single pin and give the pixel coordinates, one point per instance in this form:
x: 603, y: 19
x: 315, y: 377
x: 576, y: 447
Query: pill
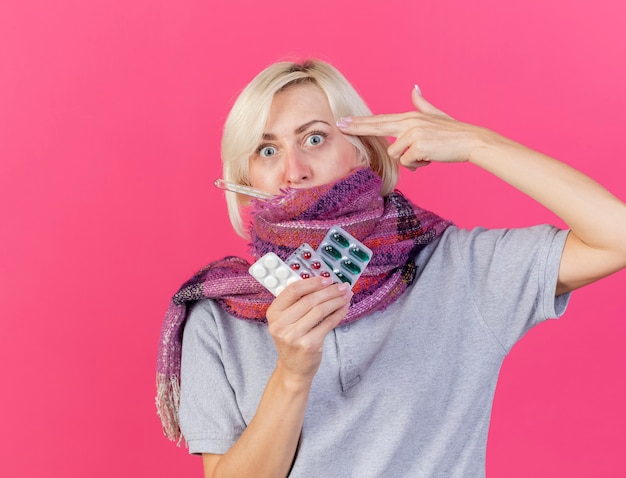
x: 339, y: 239
x: 270, y: 261
x: 282, y: 272
x: 351, y: 266
x: 359, y: 254
x: 342, y: 277
x: 270, y: 282
x: 331, y: 251
x: 258, y: 271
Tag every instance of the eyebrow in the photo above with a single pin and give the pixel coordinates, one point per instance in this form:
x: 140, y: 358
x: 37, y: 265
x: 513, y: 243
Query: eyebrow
x: 298, y: 130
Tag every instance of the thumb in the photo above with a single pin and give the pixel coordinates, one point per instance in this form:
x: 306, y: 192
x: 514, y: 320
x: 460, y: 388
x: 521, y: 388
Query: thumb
x: 422, y: 105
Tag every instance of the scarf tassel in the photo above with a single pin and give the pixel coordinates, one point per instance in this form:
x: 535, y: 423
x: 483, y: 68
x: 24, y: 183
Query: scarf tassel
x: 167, y: 403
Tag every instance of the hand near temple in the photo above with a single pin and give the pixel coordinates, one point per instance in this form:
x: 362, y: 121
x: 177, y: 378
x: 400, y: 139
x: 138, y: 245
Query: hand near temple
x: 424, y: 135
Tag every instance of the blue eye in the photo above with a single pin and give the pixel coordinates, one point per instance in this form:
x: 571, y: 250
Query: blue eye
x: 267, y: 151
x: 315, y: 139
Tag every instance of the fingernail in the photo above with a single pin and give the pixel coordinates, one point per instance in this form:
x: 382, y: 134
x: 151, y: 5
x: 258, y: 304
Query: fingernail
x: 327, y: 281
x: 417, y: 88
x: 343, y: 286
x: 343, y: 122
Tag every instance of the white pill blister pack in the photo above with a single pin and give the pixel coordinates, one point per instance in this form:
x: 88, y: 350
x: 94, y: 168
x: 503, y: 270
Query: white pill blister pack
x: 273, y: 273
x: 339, y: 256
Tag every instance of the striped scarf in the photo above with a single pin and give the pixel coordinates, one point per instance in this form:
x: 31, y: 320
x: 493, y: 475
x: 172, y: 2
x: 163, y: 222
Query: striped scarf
x: 393, y: 228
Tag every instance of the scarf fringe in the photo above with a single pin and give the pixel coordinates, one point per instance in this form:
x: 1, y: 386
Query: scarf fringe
x: 167, y: 403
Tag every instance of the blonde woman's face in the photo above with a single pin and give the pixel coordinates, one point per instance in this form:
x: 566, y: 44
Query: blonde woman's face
x: 301, y: 145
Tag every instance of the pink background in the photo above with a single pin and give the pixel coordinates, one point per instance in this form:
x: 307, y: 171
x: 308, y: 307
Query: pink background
x: 110, y: 119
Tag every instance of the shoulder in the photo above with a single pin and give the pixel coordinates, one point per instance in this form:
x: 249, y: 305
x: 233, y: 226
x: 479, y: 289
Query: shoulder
x: 208, y: 325
x: 479, y: 238
x: 486, y: 247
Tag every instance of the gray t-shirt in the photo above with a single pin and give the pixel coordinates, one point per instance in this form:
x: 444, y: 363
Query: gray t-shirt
x: 404, y: 392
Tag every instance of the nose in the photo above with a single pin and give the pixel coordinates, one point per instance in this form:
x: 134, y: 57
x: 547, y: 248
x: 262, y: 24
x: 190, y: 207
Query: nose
x: 297, y: 170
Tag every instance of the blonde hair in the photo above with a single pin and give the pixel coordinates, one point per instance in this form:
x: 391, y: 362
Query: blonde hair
x: 243, y: 129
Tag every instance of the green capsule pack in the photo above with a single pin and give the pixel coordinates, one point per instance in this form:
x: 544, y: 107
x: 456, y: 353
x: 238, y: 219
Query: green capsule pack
x: 345, y: 255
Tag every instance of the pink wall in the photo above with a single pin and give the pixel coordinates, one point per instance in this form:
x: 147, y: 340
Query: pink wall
x: 110, y: 118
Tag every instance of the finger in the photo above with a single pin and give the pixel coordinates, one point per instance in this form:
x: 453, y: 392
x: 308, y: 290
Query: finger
x: 378, y: 125
x: 380, y: 118
x: 293, y: 292
x: 298, y: 300
x: 324, y: 318
x: 388, y: 124
x: 424, y: 106
x: 311, y: 327
x: 401, y: 144
x: 409, y: 161
x: 419, y: 164
x: 315, y: 308
x: 331, y: 321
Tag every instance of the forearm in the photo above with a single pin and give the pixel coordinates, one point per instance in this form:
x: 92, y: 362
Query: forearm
x: 299, y: 320
x: 593, y: 214
x: 268, y: 445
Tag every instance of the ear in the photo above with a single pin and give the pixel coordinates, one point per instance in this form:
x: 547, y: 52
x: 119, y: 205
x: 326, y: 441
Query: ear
x: 362, y: 159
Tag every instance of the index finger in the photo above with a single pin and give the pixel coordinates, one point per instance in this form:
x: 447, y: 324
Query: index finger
x: 298, y: 289
x: 375, y: 125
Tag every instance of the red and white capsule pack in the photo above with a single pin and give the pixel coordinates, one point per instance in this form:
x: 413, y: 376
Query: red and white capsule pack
x: 306, y: 262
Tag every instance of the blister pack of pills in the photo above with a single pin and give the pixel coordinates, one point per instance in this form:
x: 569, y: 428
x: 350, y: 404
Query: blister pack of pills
x: 273, y: 273
x: 306, y: 262
x: 339, y: 256
x: 346, y: 256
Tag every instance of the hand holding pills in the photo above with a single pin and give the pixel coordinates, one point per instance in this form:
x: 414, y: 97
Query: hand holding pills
x: 300, y: 319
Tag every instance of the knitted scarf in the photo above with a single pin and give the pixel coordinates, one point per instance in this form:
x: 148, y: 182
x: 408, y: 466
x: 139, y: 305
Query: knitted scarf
x: 393, y: 228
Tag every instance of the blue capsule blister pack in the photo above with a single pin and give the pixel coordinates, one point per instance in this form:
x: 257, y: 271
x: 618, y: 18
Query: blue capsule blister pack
x: 339, y: 256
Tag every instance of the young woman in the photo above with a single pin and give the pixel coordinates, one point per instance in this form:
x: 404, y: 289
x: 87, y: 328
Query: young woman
x: 394, y: 377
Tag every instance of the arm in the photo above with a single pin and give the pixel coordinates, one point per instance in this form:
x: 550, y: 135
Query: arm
x: 596, y: 245
x: 299, y: 319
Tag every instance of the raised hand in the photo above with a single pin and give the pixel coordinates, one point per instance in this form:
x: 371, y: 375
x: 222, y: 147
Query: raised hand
x: 424, y: 135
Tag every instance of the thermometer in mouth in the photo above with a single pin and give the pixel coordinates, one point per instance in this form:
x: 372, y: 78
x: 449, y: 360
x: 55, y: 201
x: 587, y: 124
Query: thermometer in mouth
x: 241, y: 189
